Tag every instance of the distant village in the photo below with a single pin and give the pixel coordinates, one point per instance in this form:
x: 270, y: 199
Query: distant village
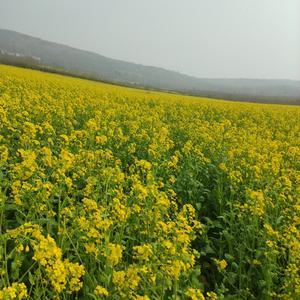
x: 19, y: 55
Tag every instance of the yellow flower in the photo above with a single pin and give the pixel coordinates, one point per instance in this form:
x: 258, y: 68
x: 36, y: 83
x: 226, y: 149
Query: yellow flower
x: 221, y: 264
x: 15, y: 291
x: 256, y: 262
x: 29, y: 130
x: 101, y: 291
x: 142, y: 298
x: 140, y: 190
x: 257, y: 202
x: 119, y: 210
x: 20, y: 248
x: 91, y: 248
x: 114, y: 254
x: 67, y: 159
x: 3, y: 154
x: 47, y: 156
x: 144, y: 164
x: 89, y: 204
x: 223, y: 167
x: 101, y: 139
x: 49, y: 256
x: 194, y: 294
x: 27, y: 167
x: 173, y: 161
x: 162, y: 202
x: 212, y: 296
x: 271, y: 232
x: 174, y: 269
x: 65, y: 137
x: 75, y: 272
x: 133, y: 277
x: 119, y: 278
x: 143, y: 252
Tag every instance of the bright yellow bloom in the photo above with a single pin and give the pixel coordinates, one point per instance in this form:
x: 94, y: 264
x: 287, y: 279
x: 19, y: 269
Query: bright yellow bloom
x: 211, y: 296
x: 119, y: 278
x: 114, y: 255
x: 221, y: 264
x: 143, y: 252
x: 101, y: 291
x: 194, y: 294
x: 3, y: 154
x: 16, y: 291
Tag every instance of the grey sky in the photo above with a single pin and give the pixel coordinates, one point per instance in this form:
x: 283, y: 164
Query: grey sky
x: 205, y: 38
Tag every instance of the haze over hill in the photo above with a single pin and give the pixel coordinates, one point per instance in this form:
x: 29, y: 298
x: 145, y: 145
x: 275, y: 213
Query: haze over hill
x: 44, y: 53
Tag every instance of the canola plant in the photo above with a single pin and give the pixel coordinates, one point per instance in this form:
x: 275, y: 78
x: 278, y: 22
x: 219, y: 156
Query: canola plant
x: 108, y: 192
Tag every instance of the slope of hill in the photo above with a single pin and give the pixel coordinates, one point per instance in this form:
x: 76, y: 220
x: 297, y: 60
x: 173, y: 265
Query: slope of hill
x: 16, y: 45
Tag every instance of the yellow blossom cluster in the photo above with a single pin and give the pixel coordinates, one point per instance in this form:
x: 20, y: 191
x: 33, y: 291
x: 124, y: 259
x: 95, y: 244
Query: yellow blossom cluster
x: 15, y: 291
x: 49, y: 256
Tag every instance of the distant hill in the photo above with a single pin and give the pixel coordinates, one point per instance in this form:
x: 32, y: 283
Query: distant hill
x: 20, y: 48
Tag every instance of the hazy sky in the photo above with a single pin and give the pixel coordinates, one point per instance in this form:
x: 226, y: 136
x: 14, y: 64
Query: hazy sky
x: 205, y: 38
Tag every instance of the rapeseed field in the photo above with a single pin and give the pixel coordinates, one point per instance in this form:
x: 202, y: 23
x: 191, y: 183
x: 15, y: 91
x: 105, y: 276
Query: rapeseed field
x: 108, y: 192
